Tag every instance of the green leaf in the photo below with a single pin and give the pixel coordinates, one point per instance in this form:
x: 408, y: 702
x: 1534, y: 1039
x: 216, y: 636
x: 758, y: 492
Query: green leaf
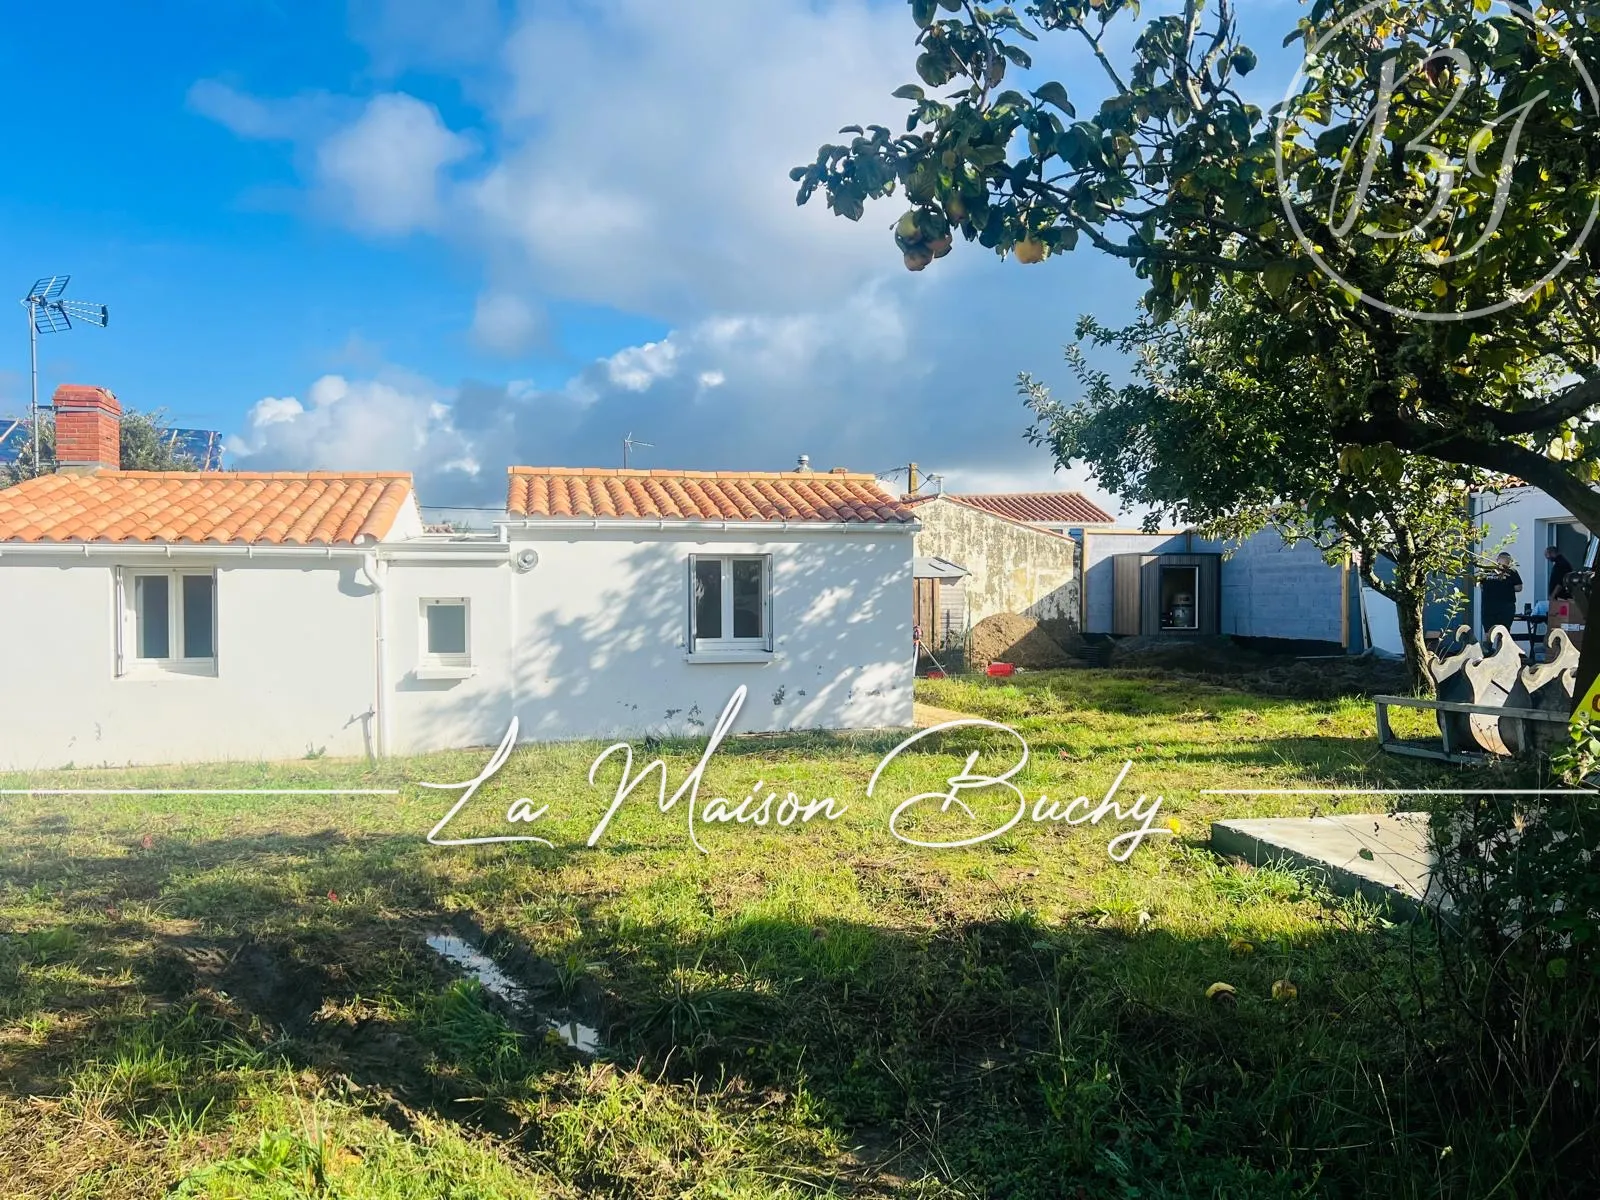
x: 1020, y: 57
x: 1277, y: 278
x: 909, y: 92
x: 923, y: 12
x: 1243, y: 60
x: 1054, y: 93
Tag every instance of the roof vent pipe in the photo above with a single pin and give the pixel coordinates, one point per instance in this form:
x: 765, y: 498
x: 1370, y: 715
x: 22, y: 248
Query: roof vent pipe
x: 804, y: 467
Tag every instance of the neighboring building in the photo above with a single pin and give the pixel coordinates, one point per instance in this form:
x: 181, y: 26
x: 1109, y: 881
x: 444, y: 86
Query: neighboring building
x: 166, y: 617
x: 202, y: 445
x: 1261, y: 587
x: 939, y: 606
x: 1011, y: 566
x: 1522, y: 521
x: 1060, y: 512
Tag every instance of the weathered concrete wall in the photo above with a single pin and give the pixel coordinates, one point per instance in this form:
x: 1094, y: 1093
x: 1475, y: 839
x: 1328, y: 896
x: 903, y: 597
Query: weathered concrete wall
x: 1015, y: 568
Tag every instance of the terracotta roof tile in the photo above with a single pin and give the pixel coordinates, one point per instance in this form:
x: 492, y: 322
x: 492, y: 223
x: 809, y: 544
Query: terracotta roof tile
x: 268, y: 508
x: 702, y: 495
x: 1064, y: 508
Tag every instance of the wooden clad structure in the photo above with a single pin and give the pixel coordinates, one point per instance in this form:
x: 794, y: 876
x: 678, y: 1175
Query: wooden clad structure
x: 1167, y: 594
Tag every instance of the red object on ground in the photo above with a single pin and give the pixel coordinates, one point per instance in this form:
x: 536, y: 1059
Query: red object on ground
x: 935, y: 675
x: 1002, y: 668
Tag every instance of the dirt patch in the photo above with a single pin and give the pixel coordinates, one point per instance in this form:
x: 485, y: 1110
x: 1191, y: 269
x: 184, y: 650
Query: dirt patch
x: 1008, y: 637
x: 264, y: 980
x: 1221, y: 660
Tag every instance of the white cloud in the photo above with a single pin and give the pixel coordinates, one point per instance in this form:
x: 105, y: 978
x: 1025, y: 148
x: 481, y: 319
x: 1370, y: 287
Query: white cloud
x: 664, y: 147
x: 638, y: 161
x: 394, y: 423
x: 637, y: 367
x: 384, y: 168
x: 506, y: 323
x: 250, y: 116
x: 401, y: 34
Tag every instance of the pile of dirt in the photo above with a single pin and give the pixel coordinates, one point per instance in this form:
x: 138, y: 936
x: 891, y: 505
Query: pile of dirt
x: 1010, y: 638
x: 1222, y: 660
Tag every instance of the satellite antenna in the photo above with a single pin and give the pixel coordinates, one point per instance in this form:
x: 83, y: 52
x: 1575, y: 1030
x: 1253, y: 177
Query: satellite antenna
x: 628, y: 443
x: 49, y: 313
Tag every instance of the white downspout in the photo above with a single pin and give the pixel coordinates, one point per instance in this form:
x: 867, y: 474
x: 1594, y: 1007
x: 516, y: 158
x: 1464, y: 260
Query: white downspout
x: 377, y: 571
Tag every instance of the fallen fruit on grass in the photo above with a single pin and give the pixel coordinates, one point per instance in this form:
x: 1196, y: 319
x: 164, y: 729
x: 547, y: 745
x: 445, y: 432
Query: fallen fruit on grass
x: 1222, y: 993
x: 1240, y: 946
x: 1282, y: 989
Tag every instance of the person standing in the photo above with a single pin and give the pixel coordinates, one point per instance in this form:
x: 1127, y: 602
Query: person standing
x: 1497, y: 594
x: 1560, y: 568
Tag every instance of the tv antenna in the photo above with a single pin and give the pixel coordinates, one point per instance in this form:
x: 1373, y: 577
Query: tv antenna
x: 49, y: 313
x: 628, y: 443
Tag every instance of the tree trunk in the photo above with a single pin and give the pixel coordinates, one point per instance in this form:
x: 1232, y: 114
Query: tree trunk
x: 1408, y: 604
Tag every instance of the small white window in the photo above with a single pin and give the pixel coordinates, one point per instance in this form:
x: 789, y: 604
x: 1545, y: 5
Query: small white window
x: 446, y: 633
x: 730, y: 604
x: 170, y: 620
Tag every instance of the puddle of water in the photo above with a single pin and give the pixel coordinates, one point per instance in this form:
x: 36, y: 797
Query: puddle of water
x: 480, y: 966
x: 495, y: 981
x: 580, y: 1037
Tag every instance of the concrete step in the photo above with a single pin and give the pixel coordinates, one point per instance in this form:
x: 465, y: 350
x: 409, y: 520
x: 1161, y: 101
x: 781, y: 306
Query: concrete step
x: 1383, y: 856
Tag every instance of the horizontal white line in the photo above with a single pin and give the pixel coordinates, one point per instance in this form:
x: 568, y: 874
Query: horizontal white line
x: 1400, y: 792
x: 199, y: 791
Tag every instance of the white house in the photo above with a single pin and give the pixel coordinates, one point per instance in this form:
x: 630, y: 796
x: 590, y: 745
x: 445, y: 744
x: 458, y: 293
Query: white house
x: 1522, y: 521
x: 167, y: 617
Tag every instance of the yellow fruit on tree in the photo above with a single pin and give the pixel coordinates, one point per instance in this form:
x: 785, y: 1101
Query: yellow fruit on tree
x: 1029, y: 250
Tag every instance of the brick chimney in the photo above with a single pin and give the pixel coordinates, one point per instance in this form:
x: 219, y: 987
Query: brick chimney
x: 88, y: 429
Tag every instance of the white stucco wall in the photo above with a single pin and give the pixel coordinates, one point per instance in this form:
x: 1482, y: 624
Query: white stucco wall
x: 294, y: 667
x: 602, y: 630
x: 590, y: 643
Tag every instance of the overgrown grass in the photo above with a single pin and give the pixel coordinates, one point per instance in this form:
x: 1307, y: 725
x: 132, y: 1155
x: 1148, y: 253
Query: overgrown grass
x: 231, y: 996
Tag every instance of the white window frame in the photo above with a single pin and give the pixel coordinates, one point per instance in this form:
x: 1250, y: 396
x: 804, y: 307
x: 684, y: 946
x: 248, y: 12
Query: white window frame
x: 728, y: 648
x: 129, y: 659
x: 444, y: 666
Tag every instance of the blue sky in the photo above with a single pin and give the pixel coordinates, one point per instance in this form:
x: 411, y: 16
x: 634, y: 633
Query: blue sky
x: 448, y: 235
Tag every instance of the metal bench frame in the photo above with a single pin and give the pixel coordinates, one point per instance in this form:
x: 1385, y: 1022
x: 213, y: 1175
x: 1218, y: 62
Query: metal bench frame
x: 1448, y: 751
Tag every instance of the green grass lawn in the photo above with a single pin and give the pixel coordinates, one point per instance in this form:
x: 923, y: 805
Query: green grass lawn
x: 233, y: 996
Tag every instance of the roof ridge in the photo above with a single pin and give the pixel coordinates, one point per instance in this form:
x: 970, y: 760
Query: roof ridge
x: 680, y: 473
x: 212, y: 476
x: 1010, y: 495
